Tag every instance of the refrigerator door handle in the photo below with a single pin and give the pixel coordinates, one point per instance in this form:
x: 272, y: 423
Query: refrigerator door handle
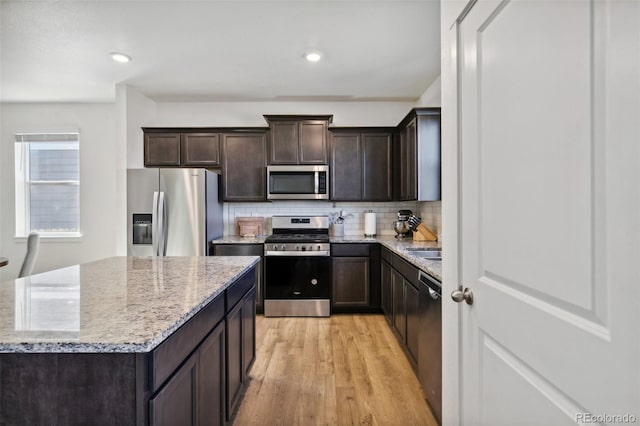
x: 154, y: 224
x: 162, y: 223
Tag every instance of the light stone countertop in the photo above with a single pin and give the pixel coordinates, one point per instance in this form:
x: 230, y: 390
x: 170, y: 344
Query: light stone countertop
x: 117, y: 305
x: 398, y: 246
x: 237, y: 239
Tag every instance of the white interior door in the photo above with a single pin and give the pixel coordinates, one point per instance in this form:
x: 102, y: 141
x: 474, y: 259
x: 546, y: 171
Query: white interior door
x: 548, y: 214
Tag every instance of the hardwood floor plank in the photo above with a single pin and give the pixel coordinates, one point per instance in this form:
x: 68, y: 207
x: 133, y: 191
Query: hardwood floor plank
x: 341, y: 370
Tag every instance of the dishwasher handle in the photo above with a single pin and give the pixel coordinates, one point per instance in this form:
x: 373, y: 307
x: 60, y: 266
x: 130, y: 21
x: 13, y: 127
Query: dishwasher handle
x: 433, y: 294
x: 434, y: 286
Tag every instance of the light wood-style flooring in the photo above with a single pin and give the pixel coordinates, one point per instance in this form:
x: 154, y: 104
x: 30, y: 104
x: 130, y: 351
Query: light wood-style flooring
x: 342, y: 370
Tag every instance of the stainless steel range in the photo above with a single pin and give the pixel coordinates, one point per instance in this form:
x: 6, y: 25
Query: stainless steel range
x: 298, y: 267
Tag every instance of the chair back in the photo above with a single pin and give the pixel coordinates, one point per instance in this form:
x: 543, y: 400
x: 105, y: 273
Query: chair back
x: 33, y: 244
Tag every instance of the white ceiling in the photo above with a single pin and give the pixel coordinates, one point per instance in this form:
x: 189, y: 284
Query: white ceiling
x: 218, y: 50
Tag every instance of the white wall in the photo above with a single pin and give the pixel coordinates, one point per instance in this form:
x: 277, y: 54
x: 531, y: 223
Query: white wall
x: 98, y: 175
x: 432, y: 96
x: 431, y: 211
x: 230, y: 114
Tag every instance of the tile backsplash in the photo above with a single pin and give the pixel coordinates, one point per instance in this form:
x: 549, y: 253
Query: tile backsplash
x: 386, y: 213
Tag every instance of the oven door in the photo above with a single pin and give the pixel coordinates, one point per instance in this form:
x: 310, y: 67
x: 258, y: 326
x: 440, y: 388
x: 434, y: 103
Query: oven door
x: 297, y: 277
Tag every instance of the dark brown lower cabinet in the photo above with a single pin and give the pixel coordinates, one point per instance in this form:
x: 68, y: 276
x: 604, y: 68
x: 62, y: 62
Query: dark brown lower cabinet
x: 355, y: 277
x: 399, y: 312
x: 242, y: 249
x: 212, y: 383
x: 400, y: 301
x: 174, y: 403
x: 386, y: 290
x: 411, y: 302
x: 240, y: 325
x: 196, y: 392
x: 182, y: 381
x: 350, y: 282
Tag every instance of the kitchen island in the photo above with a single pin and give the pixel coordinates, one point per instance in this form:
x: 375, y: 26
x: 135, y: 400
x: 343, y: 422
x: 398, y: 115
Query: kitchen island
x: 128, y: 340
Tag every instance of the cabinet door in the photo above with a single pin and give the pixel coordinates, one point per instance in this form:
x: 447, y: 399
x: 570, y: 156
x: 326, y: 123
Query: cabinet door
x: 377, y: 184
x: 234, y: 359
x: 162, y: 149
x: 200, y: 149
x: 248, y: 331
x: 312, y: 142
x: 411, y: 302
x: 399, y: 316
x: 244, y: 167
x: 346, y: 167
x: 387, y: 300
x: 283, y: 146
x: 350, y: 282
x: 408, y: 152
x: 211, y: 379
x: 175, y: 403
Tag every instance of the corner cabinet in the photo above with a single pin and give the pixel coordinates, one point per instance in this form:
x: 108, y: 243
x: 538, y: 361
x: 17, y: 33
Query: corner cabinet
x: 244, y: 249
x: 244, y: 166
x: 298, y: 139
x: 355, y: 280
x: 361, y: 164
x: 418, y: 161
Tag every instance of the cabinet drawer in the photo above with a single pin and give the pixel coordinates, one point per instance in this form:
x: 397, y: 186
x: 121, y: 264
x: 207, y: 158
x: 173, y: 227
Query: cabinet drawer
x: 407, y: 270
x: 238, y: 249
x: 240, y: 287
x: 348, y: 250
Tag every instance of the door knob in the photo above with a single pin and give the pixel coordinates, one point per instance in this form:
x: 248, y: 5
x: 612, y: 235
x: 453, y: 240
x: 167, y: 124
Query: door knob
x: 460, y: 295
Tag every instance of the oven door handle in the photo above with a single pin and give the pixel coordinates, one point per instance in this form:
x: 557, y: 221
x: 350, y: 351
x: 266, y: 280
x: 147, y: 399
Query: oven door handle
x: 297, y: 253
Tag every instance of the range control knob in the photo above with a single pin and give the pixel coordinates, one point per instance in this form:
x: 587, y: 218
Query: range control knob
x: 319, y: 247
x: 275, y: 247
x: 304, y: 248
x: 283, y: 247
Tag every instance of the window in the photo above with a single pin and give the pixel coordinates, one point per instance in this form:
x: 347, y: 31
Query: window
x: 47, y: 169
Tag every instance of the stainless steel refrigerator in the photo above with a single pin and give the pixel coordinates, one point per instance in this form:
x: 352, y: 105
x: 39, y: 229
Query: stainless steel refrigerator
x: 172, y: 212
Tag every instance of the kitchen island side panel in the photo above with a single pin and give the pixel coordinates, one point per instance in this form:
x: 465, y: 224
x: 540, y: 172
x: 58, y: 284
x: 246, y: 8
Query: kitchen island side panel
x: 69, y: 389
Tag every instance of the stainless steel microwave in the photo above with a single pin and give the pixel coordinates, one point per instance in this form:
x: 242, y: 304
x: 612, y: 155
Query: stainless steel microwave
x: 297, y: 182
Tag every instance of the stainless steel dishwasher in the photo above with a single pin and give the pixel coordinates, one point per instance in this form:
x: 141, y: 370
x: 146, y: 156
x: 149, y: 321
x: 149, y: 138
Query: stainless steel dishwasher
x: 430, y: 342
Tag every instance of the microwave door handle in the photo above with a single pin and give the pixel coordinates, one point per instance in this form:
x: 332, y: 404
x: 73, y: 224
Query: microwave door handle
x: 317, y: 182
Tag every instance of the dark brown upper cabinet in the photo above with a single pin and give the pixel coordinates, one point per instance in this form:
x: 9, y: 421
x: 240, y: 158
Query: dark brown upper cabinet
x: 162, y: 149
x: 200, y: 149
x: 418, y: 161
x: 244, y: 166
x: 361, y: 164
x: 174, y: 147
x: 298, y: 139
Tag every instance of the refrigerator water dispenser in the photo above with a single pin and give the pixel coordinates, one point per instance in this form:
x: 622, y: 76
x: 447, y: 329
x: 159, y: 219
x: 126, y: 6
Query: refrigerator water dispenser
x: 142, y: 232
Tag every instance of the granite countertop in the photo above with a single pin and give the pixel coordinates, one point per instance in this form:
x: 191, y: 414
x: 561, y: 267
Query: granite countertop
x: 398, y: 246
x: 237, y: 239
x: 118, y: 304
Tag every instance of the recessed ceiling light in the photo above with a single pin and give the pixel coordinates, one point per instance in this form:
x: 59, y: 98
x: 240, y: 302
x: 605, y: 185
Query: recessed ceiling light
x: 313, y: 56
x: 120, y: 57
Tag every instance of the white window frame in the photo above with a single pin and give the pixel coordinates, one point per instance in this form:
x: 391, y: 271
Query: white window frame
x: 23, y: 183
